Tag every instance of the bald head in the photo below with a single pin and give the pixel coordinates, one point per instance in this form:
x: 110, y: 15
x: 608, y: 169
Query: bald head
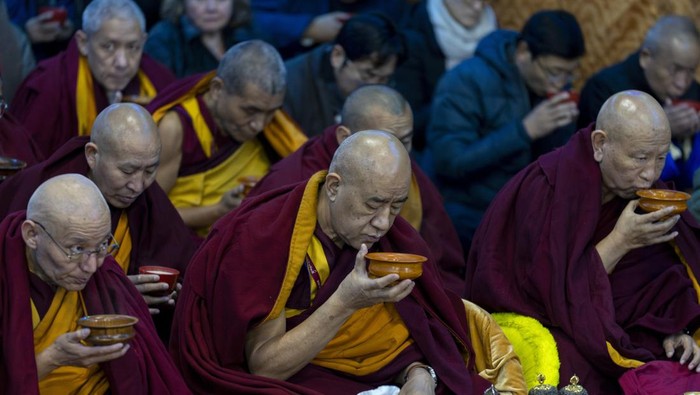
x: 669, y: 28
x: 371, y: 154
x: 67, y: 200
x: 124, y: 127
x: 378, y: 107
x: 631, y: 113
x: 253, y: 62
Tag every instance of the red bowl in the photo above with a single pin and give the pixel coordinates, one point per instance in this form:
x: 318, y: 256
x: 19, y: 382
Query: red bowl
x: 695, y: 105
x: 58, y: 14
x: 573, y: 96
x: 166, y: 274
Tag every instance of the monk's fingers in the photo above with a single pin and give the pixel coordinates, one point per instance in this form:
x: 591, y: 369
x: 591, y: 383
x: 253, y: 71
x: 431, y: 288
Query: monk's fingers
x: 178, y: 287
x: 386, y: 281
x: 695, y: 362
x: 155, y: 300
x: 153, y: 311
x: 401, y: 290
x: 148, y: 288
x: 670, y: 344
x: 104, y: 354
x: 137, y: 279
x: 360, y: 263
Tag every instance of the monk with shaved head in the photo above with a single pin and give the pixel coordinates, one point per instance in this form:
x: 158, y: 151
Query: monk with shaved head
x: 121, y: 157
x: 380, y: 107
x: 56, y: 267
x: 566, y: 243
x: 293, y: 309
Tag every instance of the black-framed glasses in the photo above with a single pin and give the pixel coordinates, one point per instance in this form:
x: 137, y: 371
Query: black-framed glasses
x: 557, y: 76
x: 77, y: 254
x: 3, y: 106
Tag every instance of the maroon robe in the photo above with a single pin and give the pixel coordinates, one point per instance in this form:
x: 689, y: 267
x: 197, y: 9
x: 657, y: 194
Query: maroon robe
x: 45, y: 102
x: 145, y: 369
x: 158, y: 235
x: 16, y: 143
x: 234, y: 280
x: 534, y: 254
x: 436, y: 227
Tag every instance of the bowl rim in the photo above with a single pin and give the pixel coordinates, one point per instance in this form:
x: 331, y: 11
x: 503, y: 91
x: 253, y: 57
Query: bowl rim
x: 680, y: 196
x: 84, y: 321
x: 385, y: 257
x: 169, y: 270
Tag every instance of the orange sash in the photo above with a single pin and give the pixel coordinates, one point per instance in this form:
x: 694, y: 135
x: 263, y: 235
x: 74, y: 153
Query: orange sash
x: 123, y: 237
x: 372, y: 337
x: 66, y: 308
x: 85, y: 98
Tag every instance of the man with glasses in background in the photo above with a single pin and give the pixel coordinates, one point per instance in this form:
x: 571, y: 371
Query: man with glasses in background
x: 663, y: 67
x: 367, y: 50
x: 498, y: 111
x: 121, y: 157
x: 55, y: 269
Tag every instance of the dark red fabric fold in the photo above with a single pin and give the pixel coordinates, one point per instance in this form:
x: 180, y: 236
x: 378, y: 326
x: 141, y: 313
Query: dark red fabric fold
x: 145, y: 369
x: 436, y: 227
x: 235, y: 278
x: 16, y: 143
x: 534, y: 254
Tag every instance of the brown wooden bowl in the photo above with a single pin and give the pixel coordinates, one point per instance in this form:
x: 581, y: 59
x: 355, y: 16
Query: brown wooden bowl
x: 166, y: 275
x: 407, y: 266
x: 651, y: 200
x: 107, y: 329
x: 10, y: 166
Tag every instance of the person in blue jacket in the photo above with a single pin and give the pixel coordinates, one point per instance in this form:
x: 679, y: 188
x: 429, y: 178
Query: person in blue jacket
x: 496, y: 112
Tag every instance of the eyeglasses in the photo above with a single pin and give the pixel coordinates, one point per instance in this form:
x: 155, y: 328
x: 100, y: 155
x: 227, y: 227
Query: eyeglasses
x: 557, y: 76
x: 3, y: 106
x: 77, y: 254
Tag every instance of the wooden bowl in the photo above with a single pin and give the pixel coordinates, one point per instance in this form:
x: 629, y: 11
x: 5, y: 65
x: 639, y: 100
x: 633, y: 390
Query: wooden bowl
x: 107, y: 329
x: 10, y: 166
x: 656, y: 199
x: 166, y: 275
x: 407, y: 266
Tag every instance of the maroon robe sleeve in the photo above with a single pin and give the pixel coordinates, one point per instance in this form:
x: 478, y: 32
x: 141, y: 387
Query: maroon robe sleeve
x: 16, y: 143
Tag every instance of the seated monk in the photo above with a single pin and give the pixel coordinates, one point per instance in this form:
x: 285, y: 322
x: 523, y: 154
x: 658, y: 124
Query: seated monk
x: 210, y: 126
x: 55, y: 269
x: 121, y: 156
x: 278, y: 298
x: 14, y: 140
x: 102, y: 65
x: 565, y: 243
x: 379, y: 107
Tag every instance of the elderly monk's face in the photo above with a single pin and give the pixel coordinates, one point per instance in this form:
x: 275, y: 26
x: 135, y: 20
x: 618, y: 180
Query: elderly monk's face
x: 114, y: 52
x: 671, y: 70
x: 634, y: 162
x: 242, y: 115
x: 365, y: 209
x: 123, y: 174
x: 71, y: 237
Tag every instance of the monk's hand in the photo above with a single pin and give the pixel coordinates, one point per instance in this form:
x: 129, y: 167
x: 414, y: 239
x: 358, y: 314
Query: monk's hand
x: 115, y: 96
x: 232, y: 199
x: 684, y: 119
x: 549, y: 115
x: 41, y: 29
x: 67, y: 350
x: 358, y: 291
x: 683, y: 347
x: 640, y: 230
x: 146, y: 284
x: 418, y: 382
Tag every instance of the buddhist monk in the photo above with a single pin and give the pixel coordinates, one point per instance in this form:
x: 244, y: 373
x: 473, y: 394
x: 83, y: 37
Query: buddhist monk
x: 55, y: 269
x: 211, y: 128
x: 121, y: 156
x: 102, y: 65
x: 279, y: 298
x: 566, y: 243
x: 381, y: 108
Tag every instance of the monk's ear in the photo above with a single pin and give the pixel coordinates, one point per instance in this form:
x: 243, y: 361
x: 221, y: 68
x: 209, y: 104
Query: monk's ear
x: 644, y: 58
x: 216, y: 87
x: 332, y: 184
x: 91, y: 153
x: 338, y: 57
x: 82, y: 41
x: 341, y: 133
x: 29, y: 233
x: 598, y: 140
